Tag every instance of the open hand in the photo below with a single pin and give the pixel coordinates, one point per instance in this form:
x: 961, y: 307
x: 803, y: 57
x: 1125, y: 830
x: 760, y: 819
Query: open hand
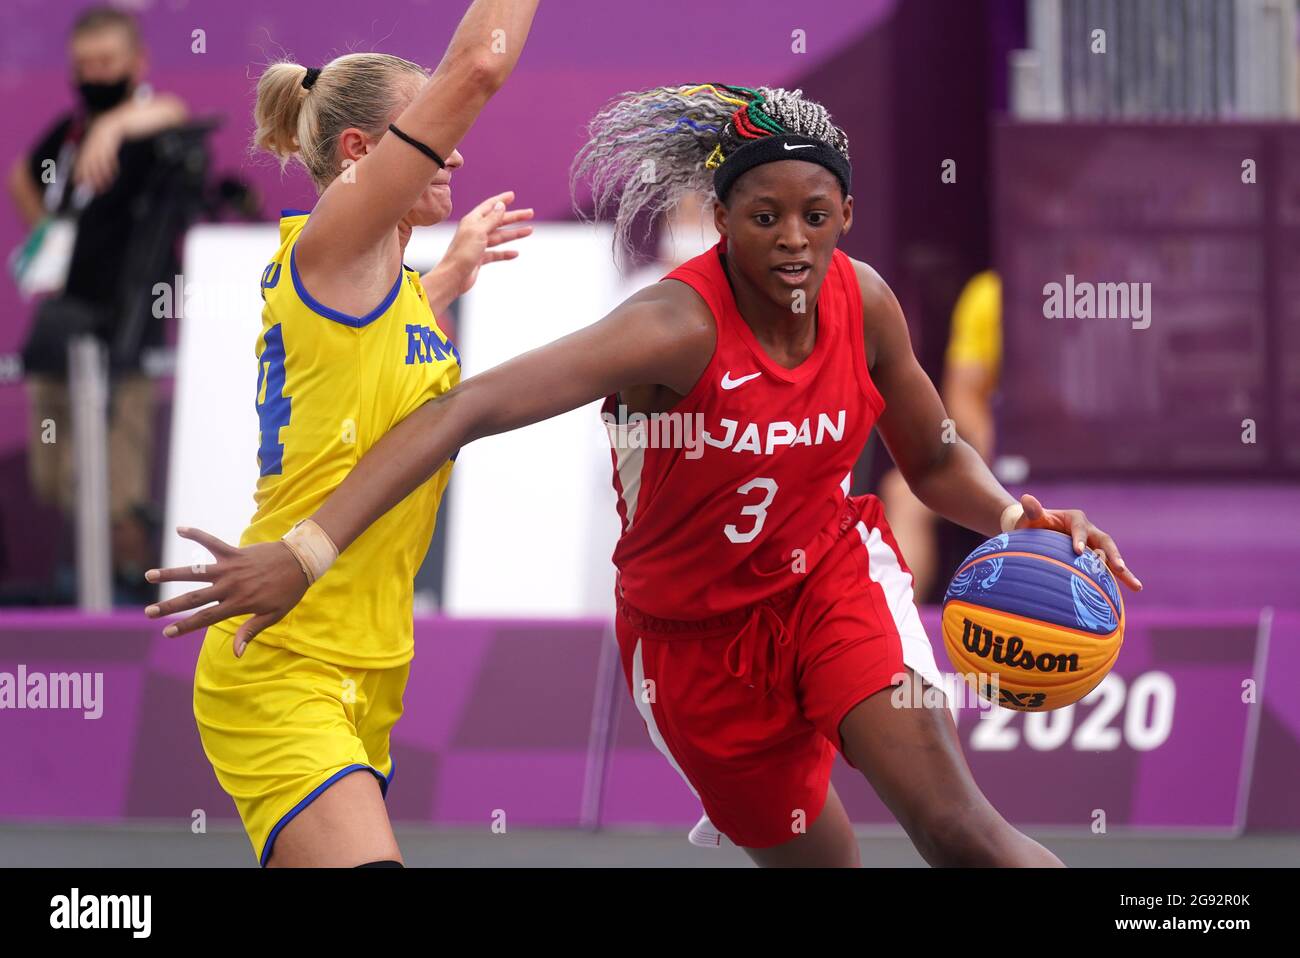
x: 263, y: 579
x: 485, y: 227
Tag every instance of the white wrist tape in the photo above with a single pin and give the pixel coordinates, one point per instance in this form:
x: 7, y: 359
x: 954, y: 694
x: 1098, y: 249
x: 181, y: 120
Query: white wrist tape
x: 1011, y: 515
x: 313, y: 549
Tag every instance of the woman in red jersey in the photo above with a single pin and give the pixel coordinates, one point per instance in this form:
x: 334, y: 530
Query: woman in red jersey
x: 761, y: 610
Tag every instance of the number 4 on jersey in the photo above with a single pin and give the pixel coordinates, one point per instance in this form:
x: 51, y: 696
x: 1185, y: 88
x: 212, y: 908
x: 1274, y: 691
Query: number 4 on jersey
x: 273, y: 406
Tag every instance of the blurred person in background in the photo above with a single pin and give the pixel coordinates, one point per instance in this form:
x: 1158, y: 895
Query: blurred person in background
x: 972, y: 367
x: 91, y: 166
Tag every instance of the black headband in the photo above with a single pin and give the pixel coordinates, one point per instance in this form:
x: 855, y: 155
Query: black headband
x: 309, y: 80
x: 783, y: 146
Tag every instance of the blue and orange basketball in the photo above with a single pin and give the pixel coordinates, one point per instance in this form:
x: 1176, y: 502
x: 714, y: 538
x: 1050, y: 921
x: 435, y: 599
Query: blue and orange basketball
x: 1026, y: 609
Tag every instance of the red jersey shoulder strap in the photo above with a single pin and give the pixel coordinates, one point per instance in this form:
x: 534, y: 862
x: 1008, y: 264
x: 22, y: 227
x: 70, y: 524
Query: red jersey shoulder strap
x: 851, y: 293
x: 847, y: 278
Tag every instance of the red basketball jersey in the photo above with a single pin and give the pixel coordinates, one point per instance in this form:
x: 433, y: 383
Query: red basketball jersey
x: 735, y: 494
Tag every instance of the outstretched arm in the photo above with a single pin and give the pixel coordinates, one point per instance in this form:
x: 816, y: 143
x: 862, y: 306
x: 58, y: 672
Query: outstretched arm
x: 949, y: 477
x: 662, y: 335
x: 648, y: 339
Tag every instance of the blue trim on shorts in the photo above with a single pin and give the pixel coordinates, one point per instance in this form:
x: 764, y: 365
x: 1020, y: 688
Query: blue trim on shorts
x: 314, y: 794
x: 284, y: 213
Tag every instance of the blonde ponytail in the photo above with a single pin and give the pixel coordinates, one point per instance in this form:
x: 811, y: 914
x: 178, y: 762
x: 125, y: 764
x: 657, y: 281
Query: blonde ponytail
x: 279, y: 102
x: 358, y: 90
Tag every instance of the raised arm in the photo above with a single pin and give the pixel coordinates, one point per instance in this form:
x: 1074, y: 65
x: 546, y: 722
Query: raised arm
x: 356, y: 213
x: 663, y: 335
x: 941, y: 468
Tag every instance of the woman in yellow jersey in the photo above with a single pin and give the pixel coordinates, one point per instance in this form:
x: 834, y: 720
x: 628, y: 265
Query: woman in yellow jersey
x: 349, y: 347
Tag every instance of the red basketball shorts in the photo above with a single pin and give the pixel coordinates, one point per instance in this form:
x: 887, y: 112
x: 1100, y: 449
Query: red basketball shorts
x: 747, y: 707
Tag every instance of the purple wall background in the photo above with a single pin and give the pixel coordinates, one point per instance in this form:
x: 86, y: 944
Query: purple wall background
x: 1165, y: 206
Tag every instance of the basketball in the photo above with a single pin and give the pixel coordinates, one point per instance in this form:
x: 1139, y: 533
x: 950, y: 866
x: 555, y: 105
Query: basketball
x: 1025, y: 610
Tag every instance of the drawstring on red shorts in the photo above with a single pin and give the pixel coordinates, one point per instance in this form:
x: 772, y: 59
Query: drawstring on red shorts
x: 748, y: 654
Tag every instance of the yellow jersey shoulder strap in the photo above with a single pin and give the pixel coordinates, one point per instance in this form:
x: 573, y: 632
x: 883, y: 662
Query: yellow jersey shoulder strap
x: 291, y: 224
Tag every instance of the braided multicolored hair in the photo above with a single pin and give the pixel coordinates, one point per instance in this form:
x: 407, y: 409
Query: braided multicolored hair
x: 647, y: 149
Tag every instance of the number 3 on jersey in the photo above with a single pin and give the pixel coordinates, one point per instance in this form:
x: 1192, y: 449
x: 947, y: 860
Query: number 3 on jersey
x: 758, y: 510
x: 273, y: 406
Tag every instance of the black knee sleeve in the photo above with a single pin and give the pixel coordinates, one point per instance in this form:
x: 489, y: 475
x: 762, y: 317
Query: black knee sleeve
x: 386, y: 863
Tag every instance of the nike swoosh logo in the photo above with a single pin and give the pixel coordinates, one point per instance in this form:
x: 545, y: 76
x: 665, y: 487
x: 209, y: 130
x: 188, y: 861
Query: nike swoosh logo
x: 804, y: 146
x: 729, y: 383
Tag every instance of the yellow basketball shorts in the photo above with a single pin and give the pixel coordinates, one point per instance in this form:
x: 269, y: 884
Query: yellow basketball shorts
x: 280, y: 728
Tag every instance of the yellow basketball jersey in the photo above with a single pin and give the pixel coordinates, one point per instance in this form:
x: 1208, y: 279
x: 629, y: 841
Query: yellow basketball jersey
x: 329, y: 386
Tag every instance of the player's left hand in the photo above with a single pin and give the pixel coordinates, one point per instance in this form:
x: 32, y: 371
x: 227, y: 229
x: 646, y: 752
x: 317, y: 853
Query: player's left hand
x: 1075, y: 524
x: 488, y: 225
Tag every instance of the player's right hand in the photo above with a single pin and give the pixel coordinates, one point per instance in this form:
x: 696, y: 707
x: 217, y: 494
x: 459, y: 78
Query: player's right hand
x: 263, y: 579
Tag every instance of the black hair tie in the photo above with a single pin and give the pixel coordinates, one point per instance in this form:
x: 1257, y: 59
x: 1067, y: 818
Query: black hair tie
x: 418, y: 145
x: 309, y: 80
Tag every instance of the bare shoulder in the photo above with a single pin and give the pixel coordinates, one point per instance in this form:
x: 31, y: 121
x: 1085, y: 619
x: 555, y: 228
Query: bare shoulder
x: 876, y: 294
